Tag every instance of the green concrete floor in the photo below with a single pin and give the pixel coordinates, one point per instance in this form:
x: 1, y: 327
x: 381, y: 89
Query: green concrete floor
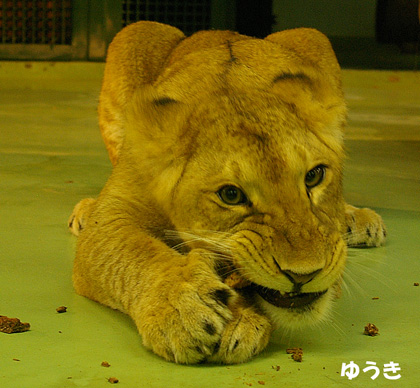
x: 51, y: 156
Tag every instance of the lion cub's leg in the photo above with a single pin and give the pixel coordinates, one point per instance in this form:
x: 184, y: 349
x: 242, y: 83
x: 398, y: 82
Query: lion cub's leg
x: 364, y: 227
x: 182, y: 309
x: 78, y: 217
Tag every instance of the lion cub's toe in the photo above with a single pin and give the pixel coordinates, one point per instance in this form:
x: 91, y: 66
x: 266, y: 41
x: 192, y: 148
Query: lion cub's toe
x: 79, y: 215
x: 364, y: 228
x: 244, y: 337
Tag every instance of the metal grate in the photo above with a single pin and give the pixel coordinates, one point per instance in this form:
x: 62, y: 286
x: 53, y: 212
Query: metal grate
x: 36, y: 21
x: 188, y: 15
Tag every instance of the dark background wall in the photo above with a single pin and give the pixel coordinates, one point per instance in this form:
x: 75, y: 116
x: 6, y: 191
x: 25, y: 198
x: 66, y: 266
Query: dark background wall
x: 380, y: 34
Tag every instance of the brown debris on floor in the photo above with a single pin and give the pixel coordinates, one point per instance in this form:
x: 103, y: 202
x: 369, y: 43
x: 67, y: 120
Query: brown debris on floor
x: 297, y: 353
x: 61, y: 309
x: 12, y: 325
x: 371, y: 330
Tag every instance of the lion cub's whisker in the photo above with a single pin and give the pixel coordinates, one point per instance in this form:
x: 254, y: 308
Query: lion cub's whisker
x: 190, y: 237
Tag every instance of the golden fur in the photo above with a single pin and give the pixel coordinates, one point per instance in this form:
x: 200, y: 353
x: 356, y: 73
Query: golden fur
x: 184, y: 121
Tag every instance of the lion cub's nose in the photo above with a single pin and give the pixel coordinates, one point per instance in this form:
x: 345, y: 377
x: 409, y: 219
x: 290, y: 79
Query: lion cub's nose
x: 297, y: 278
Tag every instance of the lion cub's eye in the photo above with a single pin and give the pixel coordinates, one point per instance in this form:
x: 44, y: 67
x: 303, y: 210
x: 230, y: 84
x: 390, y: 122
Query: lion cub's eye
x: 231, y: 195
x: 315, y: 176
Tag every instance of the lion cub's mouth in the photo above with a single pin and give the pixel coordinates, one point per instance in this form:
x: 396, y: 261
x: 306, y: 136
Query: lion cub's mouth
x: 288, y: 300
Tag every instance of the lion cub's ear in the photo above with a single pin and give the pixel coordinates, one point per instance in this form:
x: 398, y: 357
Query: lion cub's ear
x: 312, y: 81
x: 313, y: 46
x: 154, y: 122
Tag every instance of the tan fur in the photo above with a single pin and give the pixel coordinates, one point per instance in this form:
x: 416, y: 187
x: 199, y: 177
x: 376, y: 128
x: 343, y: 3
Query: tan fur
x: 183, y: 117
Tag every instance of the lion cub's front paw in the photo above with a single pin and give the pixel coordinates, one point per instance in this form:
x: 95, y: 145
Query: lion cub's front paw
x: 244, y: 337
x: 79, y: 215
x: 364, y: 227
x: 188, y: 319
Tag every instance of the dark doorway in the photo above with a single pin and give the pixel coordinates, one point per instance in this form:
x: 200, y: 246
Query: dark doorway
x: 397, y: 21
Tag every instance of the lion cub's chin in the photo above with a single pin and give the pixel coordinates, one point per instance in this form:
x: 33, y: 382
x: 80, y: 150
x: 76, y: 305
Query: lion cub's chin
x: 294, y: 318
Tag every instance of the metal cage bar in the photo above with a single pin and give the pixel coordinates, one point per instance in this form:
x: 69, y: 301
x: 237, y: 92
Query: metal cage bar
x: 188, y: 15
x: 82, y: 29
x: 35, y: 22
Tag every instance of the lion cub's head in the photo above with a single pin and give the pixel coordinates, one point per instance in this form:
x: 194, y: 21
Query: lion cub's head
x: 243, y: 156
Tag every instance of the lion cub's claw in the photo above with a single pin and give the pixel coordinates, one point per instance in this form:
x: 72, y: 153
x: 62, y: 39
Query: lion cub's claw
x: 244, y: 337
x: 79, y: 215
x: 188, y: 328
x: 364, y: 228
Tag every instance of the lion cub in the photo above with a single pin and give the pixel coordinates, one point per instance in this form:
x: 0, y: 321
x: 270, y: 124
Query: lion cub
x: 228, y: 156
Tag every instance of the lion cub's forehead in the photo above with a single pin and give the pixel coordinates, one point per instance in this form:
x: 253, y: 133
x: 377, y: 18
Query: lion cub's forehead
x: 266, y: 160
x: 250, y: 154
x: 254, y: 136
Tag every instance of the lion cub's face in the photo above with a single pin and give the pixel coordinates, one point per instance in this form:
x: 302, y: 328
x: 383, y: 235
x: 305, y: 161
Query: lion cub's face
x: 261, y: 184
